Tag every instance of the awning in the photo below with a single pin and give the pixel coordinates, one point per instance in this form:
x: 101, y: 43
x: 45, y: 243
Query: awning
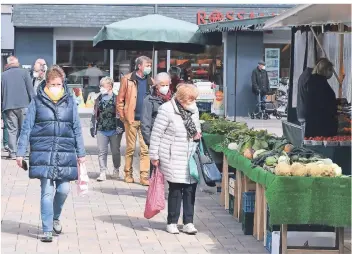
x: 235, y: 25
x: 312, y: 15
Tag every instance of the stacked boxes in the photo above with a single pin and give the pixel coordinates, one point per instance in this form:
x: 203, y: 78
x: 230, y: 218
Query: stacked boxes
x: 247, y: 212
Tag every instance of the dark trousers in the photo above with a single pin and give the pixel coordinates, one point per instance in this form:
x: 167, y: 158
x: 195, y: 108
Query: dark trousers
x: 185, y: 193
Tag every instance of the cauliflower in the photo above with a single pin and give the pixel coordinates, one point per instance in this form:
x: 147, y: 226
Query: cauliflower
x: 284, y: 159
x: 320, y: 169
x: 328, y: 170
x: 337, y: 169
x: 313, y: 169
x: 283, y: 169
x: 233, y: 146
x: 298, y: 169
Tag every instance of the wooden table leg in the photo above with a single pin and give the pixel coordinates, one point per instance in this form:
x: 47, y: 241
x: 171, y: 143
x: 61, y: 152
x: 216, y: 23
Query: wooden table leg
x: 235, y: 211
x: 283, y: 238
x: 224, y: 184
x: 239, y: 192
x: 258, y: 213
x: 265, y: 217
x: 340, y: 239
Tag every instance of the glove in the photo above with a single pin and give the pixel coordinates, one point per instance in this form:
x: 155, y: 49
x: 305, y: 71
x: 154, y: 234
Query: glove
x: 92, y: 132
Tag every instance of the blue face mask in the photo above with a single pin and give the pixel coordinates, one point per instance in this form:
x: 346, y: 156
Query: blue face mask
x: 147, y: 71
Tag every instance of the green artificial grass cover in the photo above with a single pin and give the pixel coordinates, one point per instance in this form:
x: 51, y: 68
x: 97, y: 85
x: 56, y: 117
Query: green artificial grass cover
x: 295, y: 200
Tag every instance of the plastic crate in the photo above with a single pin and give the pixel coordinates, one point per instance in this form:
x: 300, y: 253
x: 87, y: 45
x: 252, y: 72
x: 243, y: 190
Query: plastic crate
x: 204, y: 107
x: 248, y: 201
x: 247, y: 220
x: 268, y: 241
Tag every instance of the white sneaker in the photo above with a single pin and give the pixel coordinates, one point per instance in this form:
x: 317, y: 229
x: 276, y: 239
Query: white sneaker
x: 189, y: 229
x: 116, y: 173
x: 102, y: 177
x: 172, y: 229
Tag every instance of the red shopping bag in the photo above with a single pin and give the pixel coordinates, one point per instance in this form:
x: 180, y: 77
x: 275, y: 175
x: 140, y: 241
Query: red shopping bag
x: 156, y: 195
x: 83, y: 179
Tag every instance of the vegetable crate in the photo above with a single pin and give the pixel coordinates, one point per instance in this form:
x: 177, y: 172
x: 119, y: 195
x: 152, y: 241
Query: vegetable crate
x: 247, y: 222
x: 268, y: 241
x: 248, y: 199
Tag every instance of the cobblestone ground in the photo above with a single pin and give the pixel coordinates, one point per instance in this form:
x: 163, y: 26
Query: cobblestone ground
x: 110, y: 219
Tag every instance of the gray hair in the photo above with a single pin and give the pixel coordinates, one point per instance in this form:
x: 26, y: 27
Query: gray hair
x: 12, y: 60
x: 141, y: 60
x: 162, y: 76
x: 322, y: 67
x: 107, y: 80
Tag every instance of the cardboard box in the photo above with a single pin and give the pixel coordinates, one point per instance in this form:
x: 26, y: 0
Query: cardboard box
x: 232, y: 182
x: 231, y: 191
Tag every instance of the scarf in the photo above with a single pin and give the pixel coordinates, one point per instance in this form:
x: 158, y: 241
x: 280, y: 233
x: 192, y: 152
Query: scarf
x: 53, y: 97
x: 187, y: 121
x: 164, y: 97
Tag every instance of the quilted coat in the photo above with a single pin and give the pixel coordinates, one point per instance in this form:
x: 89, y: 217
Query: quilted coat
x: 170, y: 145
x: 55, y: 137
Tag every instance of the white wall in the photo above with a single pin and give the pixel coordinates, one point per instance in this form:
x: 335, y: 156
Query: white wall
x: 7, y: 32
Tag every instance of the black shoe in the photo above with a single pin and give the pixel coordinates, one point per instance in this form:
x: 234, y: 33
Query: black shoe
x: 47, y: 237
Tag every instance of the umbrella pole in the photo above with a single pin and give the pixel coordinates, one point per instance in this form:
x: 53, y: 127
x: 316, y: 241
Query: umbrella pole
x: 155, y: 66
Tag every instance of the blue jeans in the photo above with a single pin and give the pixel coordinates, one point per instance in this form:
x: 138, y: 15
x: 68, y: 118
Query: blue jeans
x: 52, y: 201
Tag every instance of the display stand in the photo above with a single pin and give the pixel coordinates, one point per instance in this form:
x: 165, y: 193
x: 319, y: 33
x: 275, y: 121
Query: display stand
x: 339, y: 246
x: 258, y: 230
x: 224, y: 196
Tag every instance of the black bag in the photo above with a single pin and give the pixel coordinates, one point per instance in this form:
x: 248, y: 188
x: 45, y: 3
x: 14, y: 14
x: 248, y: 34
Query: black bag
x: 210, y: 171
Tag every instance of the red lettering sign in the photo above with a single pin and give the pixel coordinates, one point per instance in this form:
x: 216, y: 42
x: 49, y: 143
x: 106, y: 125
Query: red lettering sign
x: 217, y: 16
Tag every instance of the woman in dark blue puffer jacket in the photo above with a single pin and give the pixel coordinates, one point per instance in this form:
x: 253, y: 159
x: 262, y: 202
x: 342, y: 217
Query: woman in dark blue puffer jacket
x: 53, y: 129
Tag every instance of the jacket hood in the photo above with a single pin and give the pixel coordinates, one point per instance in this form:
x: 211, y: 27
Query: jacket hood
x: 43, y: 95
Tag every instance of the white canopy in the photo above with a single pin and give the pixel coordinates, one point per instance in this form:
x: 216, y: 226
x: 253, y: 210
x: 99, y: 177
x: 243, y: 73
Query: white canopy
x: 313, y: 15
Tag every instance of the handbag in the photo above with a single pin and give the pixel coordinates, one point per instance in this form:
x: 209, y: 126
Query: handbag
x: 210, y: 171
x: 83, y: 179
x: 193, y: 165
x: 155, y: 197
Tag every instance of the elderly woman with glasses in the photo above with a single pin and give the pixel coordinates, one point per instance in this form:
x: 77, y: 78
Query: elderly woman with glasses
x: 108, y: 128
x: 52, y: 127
x: 175, y: 136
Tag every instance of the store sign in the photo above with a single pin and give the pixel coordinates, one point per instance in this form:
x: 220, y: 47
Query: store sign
x: 217, y: 16
x: 7, y: 52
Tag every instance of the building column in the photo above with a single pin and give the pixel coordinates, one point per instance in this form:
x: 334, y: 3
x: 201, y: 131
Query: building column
x: 224, y: 41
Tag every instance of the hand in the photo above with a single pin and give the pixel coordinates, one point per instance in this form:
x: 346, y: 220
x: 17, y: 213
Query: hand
x: 155, y: 163
x: 19, y: 161
x: 197, y: 136
x: 81, y: 160
x: 92, y: 132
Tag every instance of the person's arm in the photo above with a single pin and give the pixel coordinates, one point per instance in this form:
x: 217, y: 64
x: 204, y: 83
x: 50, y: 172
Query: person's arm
x: 120, y: 103
x: 29, y: 85
x: 77, y: 132
x: 254, y: 82
x: 267, y: 82
x: 146, y: 121
x: 160, y: 124
x: 26, y: 130
x: 93, y: 119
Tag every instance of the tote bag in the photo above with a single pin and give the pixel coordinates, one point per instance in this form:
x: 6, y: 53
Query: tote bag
x: 156, y: 195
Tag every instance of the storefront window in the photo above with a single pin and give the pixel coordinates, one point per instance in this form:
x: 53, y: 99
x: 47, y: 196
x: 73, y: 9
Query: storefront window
x: 207, y: 66
x: 83, y: 64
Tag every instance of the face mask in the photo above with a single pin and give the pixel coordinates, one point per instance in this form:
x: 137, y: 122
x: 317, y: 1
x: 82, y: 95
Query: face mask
x: 191, y: 107
x: 35, y: 74
x: 263, y: 67
x: 164, y: 90
x: 147, y: 71
x: 103, y: 90
x: 55, y: 90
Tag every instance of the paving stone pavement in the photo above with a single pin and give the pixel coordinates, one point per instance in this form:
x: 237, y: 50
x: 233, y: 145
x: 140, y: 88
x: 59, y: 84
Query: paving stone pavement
x: 110, y: 218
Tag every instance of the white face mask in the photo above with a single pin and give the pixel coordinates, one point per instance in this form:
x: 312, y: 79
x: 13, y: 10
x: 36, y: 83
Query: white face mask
x: 164, y: 90
x: 103, y: 90
x: 35, y: 74
x: 192, y: 107
x: 263, y: 67
x: 55, y: 90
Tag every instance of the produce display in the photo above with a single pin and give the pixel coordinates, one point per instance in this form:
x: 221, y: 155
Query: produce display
x: 328, y: 141
x: 274, y: 154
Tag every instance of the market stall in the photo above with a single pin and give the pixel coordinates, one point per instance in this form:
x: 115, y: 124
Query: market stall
x: 320, y: 31
x: 300, y: 187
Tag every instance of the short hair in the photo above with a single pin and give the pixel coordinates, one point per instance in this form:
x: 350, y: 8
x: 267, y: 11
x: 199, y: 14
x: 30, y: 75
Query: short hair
x: 322, y: 67
x: 175, y: 71
x: 161, y: 77
x: 186, y: 92
x: 55, y: 71
x: 107, y: 80
x: 142, y: 59
x: 12, y: 60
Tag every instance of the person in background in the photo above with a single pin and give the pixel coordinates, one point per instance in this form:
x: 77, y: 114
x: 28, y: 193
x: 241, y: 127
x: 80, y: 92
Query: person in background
x: 175, y: 74
x: 160, y: 93
x: 321, y: 105
x: 134, y: 88
x: 5, y: 134
x: 174, y: 137
x: 39, y: 70
x: 108, y: 128
x: 16, y: 94
x: 52, y: 128
x: 260, y: 81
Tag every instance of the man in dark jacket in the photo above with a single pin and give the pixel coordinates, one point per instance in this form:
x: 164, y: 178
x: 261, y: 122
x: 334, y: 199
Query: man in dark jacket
x: 260, y: 81
x: 16, y: 94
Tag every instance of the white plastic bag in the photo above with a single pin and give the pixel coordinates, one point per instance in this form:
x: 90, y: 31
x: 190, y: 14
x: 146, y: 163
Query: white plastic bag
x: 83, y: 180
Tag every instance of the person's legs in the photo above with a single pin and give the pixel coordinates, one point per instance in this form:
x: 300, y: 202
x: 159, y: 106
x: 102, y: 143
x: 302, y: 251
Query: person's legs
x: 188, y: 198
x: 174, y: 203
x: 144, y: 159
x: 115, y: 143
x: 62, y: 190
x: 46, y: 204
x: 131, y: 135
x: 5, y: 134
x: 103, y: 143
x: 12, y: 125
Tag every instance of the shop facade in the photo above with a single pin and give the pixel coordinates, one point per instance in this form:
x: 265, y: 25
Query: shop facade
x: 7, y: 34
x: 65, y: 38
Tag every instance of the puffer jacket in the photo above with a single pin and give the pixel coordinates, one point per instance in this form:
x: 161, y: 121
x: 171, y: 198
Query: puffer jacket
x: 55, y: 137
x: 170, y: 145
